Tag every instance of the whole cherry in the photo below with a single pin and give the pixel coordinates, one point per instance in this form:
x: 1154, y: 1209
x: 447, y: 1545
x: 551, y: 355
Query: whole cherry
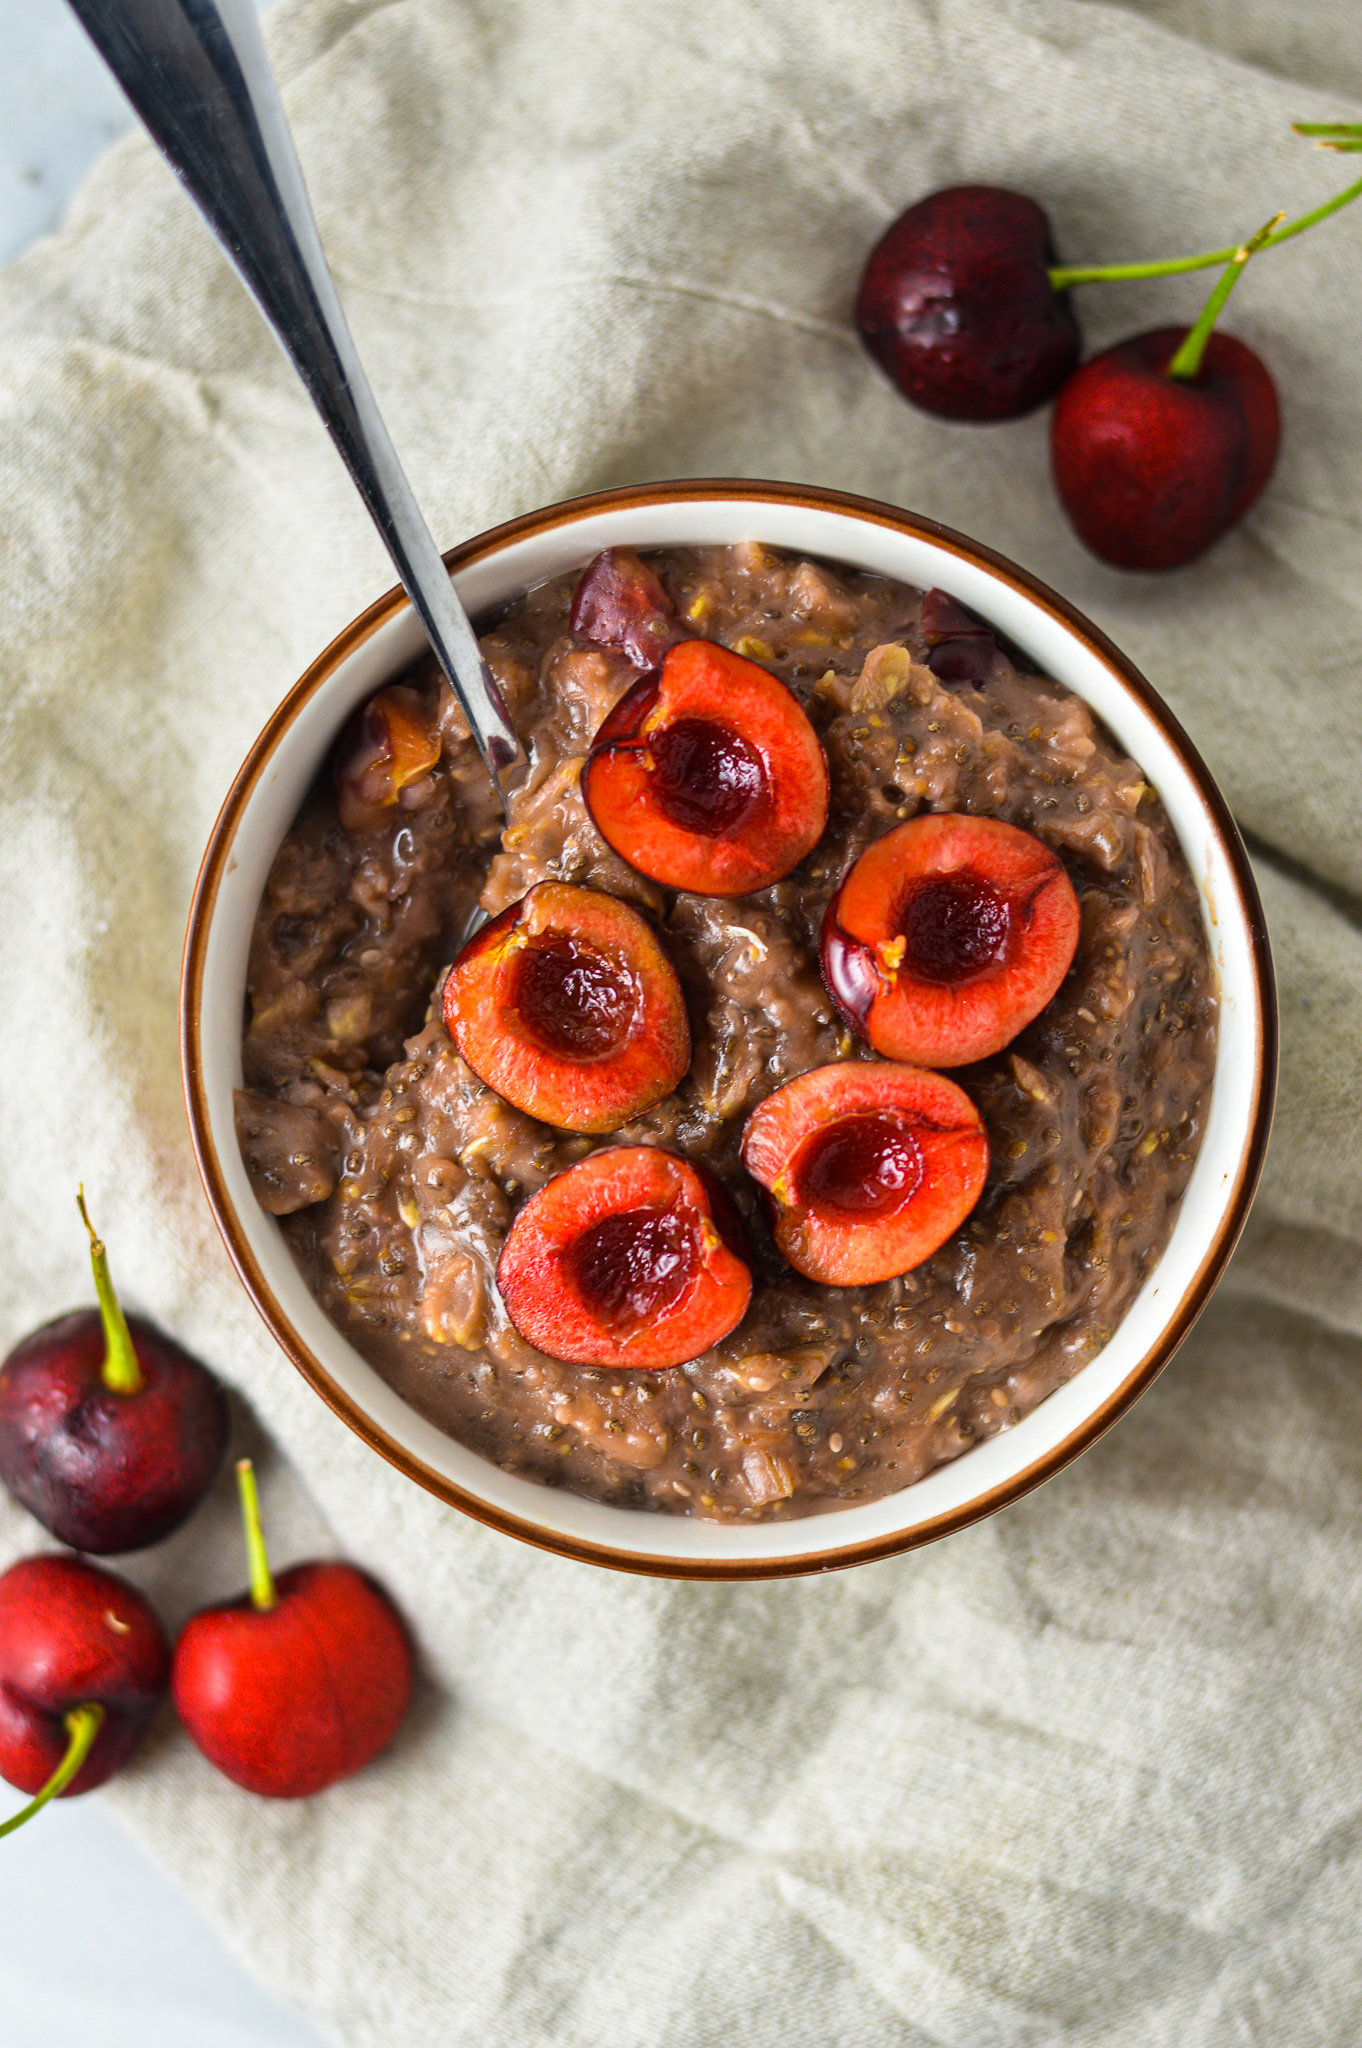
x: 1163, y: 442
x: 957, y: 305
x: 83, y: 1663
x: 110, y: 1434
x: 298, y: 1683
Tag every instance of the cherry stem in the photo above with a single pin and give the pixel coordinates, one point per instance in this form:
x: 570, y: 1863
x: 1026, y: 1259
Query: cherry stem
x: 1063, y: 278
x: 263, y: 1594
x: 1344, y: 136
x: 120, y: 1371
x: 82, y: 1725
x: 1186, y: 363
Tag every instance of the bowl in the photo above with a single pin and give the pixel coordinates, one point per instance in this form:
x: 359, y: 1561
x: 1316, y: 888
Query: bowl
x: 487, y: 571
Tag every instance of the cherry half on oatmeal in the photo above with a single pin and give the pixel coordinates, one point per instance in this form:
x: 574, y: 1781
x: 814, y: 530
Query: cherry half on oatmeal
x: 568, y: 1007
x: 621, y: 603
x: 387, y: 746
x: 708, y: 776
x: 869, y: 1166
x: 947, y: 937
x: 632, y: 1258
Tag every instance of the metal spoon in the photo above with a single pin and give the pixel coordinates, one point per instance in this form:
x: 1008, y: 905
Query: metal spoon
x: 197, y: 73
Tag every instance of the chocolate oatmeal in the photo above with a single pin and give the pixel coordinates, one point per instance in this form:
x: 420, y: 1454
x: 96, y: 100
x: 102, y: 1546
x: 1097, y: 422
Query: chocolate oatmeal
x: 396, y: 1173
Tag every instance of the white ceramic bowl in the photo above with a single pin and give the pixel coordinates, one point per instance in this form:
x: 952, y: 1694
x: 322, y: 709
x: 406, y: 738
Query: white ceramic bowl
x: 493, y: 568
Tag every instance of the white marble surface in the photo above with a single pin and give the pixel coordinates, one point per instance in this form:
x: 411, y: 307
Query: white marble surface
x: 95, y: 1944
x: 58, y: 109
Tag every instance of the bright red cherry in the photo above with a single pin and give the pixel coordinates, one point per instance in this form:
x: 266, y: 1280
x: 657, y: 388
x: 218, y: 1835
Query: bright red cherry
x: 948, y: 936
x: 567, y: 1005
x: 707, y: 775
x: 83, y: 1665
x: 634, y: 1258
x: 1153, y: 468
x: 298, y: 1683
x: 1167, y: 439
x: 869, y: 1167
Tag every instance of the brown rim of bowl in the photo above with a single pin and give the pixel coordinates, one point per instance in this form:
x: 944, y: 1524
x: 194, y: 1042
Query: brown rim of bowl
x: 1194, y: 1299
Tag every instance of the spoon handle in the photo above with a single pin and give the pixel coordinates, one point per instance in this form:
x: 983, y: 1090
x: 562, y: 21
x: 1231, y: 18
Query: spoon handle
x: 197, y: 73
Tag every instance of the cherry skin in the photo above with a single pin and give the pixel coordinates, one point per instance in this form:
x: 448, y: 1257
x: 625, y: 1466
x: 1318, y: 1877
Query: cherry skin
x: 298, y: 1683
x: 620, y: 602
x: 1152, y: 468
x: 956, y: 304
x: 110, y: 1434
x: 73, y: 1636
x: 385, y: 751
x: 960, y: 648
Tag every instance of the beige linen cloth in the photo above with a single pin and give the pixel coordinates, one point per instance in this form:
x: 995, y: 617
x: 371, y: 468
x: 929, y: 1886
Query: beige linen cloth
x: 1089, y: 1773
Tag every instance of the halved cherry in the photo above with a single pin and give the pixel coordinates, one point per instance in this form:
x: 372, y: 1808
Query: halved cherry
x: 632, y: 1258
x: 869, y: 1165
x: 708, y: 776
x: 386, y: 746
x: 947, y: 937
x: 621, y: 603
x: 567, y: 1005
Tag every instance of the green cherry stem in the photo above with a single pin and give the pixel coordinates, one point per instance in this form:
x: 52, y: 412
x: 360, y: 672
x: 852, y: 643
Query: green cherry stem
x: 1063, y: 278
x: 1187, y: 362
x: 1344, y: 136
x: 120, y: 1371
x: 82, y: 1725
x: 263, y: 1594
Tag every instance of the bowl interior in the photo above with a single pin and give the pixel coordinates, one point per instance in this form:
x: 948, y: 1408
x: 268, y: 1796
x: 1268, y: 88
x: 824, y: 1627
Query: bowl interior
x: 268, y: 794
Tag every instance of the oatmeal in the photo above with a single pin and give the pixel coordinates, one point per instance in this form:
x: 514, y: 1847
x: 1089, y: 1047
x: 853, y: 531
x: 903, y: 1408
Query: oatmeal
x: 397, y: 1173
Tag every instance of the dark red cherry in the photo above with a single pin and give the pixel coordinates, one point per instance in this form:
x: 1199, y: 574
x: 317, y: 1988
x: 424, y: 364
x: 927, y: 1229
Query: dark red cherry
x: 960, y: 648
x: 1153, y: 468
x: 957, y: 305
x: 110, y: 1433
x: 620, y: 602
